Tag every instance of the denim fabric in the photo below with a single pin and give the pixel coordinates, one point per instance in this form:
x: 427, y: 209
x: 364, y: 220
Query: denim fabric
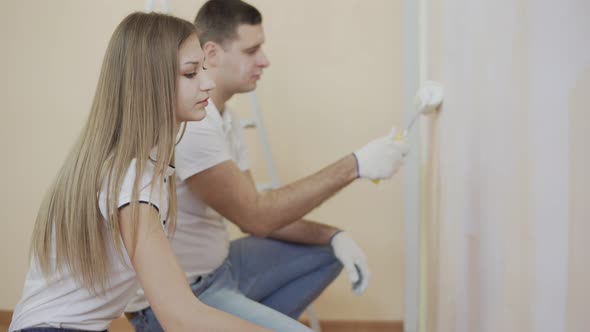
x: 264, y: 281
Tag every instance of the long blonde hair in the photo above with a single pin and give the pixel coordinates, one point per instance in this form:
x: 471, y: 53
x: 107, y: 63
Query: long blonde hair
x: 133, y: 111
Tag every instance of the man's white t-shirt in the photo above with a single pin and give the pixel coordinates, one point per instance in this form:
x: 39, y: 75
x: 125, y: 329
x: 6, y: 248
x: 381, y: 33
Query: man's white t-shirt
x: 201, y: 240
x: 63, y: 303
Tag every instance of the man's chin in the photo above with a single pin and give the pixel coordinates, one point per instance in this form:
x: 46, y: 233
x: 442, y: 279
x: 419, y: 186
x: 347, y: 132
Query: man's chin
x: 248, y: 88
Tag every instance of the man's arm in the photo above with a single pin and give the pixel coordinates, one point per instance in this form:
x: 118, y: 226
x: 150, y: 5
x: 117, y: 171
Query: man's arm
x: 302, y: 231
x: 233, y: 194
x: 278, y: 213
x: 305, y: 232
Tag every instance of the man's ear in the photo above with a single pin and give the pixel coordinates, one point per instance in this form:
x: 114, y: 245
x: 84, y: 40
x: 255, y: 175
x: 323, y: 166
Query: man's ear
x: 213, y: 53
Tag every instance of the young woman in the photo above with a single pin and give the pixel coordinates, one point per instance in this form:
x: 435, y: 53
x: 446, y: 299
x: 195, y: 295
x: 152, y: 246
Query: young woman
x: 101, y: 229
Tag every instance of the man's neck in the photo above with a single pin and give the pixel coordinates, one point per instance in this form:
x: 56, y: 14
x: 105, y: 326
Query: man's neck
x: 219, y: 98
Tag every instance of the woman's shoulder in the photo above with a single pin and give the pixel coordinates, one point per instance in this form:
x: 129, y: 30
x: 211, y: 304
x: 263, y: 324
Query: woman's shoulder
x: 145, y: 189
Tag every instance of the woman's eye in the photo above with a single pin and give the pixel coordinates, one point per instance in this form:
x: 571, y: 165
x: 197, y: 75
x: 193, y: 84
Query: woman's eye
x: 190, y: 75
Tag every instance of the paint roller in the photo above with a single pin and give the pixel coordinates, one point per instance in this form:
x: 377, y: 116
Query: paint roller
x: 428, y: 100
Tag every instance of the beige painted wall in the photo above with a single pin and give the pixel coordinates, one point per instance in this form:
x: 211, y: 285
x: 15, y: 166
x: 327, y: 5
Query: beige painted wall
x: 335, y: 82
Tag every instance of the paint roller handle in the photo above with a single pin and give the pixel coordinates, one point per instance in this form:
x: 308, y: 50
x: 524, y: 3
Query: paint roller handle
x: 398, y: 138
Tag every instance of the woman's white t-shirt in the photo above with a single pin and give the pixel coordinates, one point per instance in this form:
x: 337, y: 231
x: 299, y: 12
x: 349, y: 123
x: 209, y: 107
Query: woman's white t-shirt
x: 63, y: 303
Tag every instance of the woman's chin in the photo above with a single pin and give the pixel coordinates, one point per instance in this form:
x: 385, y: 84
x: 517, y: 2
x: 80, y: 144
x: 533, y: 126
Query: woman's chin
x: 196, y: 115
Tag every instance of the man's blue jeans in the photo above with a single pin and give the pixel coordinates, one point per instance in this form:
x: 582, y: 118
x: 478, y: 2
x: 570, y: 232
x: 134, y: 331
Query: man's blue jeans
x: 264, y: 281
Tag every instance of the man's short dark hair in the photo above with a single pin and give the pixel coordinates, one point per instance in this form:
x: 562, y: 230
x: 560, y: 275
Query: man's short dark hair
x: 218, y: 20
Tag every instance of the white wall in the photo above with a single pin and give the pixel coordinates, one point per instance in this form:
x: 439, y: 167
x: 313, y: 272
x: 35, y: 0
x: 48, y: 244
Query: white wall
x: 508, y: 253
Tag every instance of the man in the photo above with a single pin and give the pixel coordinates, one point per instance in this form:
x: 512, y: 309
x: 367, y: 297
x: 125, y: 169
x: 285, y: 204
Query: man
x: 271, y: 277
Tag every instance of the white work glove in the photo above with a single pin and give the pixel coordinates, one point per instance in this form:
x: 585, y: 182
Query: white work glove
x: 381, y: 158
x: 354, y: 261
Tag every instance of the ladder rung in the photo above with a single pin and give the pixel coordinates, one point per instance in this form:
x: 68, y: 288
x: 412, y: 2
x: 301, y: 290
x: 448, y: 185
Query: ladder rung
x: 264, y: 187
x: 248, y: 123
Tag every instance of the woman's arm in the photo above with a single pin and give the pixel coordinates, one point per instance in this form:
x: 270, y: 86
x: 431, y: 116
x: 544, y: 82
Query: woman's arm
x: 164, y: 282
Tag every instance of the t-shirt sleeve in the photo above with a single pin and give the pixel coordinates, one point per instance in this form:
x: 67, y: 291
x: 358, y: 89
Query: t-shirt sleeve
x: 202, y: 146
x: 148, y: 194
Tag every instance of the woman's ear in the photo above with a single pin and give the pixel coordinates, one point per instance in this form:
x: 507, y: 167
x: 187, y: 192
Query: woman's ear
x: 212, y: 52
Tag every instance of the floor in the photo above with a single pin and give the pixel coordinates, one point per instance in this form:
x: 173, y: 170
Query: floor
x: 122, y: 325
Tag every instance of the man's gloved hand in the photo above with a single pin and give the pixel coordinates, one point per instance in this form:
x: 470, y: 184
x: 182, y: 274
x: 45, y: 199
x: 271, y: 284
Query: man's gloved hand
x: 381, y: 158
x: 354, y: 261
